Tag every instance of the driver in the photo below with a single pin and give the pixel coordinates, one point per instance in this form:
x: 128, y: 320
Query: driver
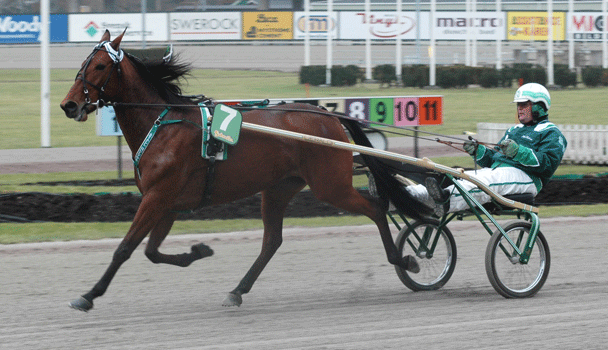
x: 523, y: 162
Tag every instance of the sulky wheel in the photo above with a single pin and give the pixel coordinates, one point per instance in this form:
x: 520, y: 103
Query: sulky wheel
x: 510, y: 277
x: 435, y: 252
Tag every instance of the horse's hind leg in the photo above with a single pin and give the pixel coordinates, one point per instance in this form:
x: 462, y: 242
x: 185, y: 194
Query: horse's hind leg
x: 159, y: 233
x: 344, y: 196
x: 274, y: 203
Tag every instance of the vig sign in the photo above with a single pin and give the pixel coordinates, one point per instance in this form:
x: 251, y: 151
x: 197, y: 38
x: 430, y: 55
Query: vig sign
x: 586, y: 26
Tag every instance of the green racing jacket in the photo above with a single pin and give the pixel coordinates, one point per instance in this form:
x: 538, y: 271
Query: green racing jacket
x: 541, y: 148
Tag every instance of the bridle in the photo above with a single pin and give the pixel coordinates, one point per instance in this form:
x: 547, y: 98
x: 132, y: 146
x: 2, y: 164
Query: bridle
x: 115, y: 55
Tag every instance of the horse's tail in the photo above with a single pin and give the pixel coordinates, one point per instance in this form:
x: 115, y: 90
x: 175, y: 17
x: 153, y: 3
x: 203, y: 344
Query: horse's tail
x: 388, y: 187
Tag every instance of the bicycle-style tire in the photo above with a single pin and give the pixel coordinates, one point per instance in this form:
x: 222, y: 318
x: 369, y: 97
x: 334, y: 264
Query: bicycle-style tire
x: 509, y: 277
x: 436, y: 267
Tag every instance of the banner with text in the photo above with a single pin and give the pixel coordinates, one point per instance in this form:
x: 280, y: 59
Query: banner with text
x: 205, y: 26
x: 21, y: 29
x: 90, y: 26
x: 382, y: 25
x: 267, y: 25
x: 319, y: 23
x: 533, y: 26
x: 460, y: 26
x: 586, y: 26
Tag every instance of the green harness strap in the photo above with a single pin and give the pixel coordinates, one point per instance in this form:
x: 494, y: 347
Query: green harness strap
x: 144, y: 145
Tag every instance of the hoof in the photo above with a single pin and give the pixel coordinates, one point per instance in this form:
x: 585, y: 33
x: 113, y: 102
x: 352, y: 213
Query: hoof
x: 201, y: 250
x: 81, y: 304
x: 410, y: 264
x: 232, y: 300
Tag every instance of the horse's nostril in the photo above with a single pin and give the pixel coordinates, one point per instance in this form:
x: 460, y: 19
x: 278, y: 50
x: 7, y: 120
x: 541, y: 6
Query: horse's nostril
x: 69, y: 106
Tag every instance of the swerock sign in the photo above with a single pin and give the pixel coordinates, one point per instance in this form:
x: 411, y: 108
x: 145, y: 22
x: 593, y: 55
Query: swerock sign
x: 205, y: 26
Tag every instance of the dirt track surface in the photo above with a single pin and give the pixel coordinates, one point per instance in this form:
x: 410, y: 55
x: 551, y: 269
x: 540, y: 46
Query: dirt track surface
x: 327, y: 288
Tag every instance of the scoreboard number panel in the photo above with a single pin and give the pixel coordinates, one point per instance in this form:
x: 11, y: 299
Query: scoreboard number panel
x: 391, y: 110
x: 358, y: 108
x: 336, y: 105
x: 431, y: 110
x: 406, y: 111
x: 381, y: 110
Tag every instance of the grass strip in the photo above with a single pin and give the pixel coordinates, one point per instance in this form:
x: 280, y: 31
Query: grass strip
x: 11, y: 233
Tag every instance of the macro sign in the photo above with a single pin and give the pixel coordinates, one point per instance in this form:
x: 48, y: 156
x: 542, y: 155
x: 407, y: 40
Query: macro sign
x: 460, y: 26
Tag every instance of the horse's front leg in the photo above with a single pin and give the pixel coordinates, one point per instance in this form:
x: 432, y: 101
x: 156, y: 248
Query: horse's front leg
x: 151, y: 209
x: 159, y: 233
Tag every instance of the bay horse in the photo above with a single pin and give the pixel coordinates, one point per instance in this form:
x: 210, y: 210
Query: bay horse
x: 171, y: 173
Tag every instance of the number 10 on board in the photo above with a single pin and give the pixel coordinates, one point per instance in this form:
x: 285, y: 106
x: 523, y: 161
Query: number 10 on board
x: 411, y: 111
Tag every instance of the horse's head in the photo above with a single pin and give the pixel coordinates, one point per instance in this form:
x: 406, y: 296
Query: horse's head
x: 96, y: 80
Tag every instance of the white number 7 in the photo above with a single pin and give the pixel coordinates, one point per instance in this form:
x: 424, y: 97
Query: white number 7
x: 231, y: 114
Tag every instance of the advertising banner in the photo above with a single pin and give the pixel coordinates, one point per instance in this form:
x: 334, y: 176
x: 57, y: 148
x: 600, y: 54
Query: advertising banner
x: 532, y: 26
x: 205, y: 26
x: 26, y: 29
x: 477, y: 25
x: 267, y: 25
x: 319, y: 23
x: 383, y: 25
x: 585, y: 26
x: 91, y: 26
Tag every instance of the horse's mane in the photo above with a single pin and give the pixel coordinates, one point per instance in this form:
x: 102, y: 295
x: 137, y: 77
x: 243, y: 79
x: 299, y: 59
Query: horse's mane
x: 164, y: 76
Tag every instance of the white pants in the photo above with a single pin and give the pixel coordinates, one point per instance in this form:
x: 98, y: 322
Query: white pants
x: 503, y: 180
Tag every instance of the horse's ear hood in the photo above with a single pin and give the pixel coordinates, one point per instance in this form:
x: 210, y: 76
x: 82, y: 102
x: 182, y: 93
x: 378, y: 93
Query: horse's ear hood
x: 116, y: 42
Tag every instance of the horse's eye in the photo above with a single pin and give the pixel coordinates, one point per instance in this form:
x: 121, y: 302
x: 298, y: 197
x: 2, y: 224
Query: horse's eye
x: 100, y: 66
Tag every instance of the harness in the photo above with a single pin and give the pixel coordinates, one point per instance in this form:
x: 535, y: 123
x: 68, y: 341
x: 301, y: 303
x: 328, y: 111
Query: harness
x: 144, y: 145
x: 212, y: 148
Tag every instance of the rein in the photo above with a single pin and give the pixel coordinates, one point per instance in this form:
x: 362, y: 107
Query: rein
x: 321, y: 112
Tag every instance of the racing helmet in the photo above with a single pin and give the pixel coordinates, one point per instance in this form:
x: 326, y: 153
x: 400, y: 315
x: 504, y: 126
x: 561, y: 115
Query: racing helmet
x: 538, y: 95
